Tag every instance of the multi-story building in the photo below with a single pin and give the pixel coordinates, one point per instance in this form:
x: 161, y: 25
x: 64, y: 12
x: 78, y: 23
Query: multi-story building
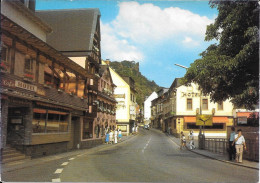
x: 185, y: 102
x: 125, y: 95
x: 76, y: 34
x: 147, y: 107
x: 46, y: 98
x: 106, y: 115
x: 157, y: 109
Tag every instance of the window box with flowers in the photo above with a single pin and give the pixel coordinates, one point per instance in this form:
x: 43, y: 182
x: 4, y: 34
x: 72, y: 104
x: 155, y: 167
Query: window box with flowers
x: 4, y: 66
x: 28, y: 76
x: 48, y: 84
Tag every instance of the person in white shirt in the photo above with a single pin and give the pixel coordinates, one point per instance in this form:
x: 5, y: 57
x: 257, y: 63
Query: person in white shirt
x: 240, y: 143
x: 191, y: 138
x: 115, y: 136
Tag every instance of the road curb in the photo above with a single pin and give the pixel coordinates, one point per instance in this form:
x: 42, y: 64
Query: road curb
x: 76, y: 152
x: 216, y: 158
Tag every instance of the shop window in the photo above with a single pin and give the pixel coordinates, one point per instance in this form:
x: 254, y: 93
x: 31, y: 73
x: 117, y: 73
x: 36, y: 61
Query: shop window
x: 38, y: 122
x: 53, y: 123
x: 189, y: 104
x: 204, y: 104
x: 217, y: 126
x: 174, y: 124
x: 45, y: 121
x: 220, y: 106
x: 87, y: 132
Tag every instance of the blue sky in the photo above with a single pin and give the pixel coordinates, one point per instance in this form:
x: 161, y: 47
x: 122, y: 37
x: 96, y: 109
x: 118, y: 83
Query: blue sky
x: 157, y: 34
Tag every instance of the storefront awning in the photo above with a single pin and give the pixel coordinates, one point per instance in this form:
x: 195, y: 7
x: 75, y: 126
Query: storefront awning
x: 216, y: 119
x: 190, y: 119
x: 247, y: 114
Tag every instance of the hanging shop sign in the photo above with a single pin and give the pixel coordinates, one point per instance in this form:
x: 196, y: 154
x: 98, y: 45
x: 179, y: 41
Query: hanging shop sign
x: 204, y: 120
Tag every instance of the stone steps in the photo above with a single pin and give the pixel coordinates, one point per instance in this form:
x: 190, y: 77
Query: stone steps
x: 10, y: 154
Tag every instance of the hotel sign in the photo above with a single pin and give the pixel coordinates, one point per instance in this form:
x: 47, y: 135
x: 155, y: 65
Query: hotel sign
x: 190, y: 94
x: 8, y: 82
x: 25, y: 86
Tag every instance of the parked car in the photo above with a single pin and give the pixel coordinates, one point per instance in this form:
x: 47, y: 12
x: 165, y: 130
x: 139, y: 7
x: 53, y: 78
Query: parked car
x: 146, y: 127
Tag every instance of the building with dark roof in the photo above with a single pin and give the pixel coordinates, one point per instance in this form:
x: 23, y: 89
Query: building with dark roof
x: 47, y: 99
x: 76, y: 34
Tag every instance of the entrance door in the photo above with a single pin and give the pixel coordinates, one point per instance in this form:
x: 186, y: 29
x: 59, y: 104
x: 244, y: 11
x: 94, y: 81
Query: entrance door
x: 16, y: 125
x: 75, y: 132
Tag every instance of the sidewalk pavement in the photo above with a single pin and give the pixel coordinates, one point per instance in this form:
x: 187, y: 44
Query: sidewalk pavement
x: 219, y: 157
x: 36, y: 161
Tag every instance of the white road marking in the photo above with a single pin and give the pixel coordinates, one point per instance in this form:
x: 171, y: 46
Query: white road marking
x: 59, y: 170
x: 65, y: 163
x: 71, y: 159
x: 56, y: 180
x: 146, y: 145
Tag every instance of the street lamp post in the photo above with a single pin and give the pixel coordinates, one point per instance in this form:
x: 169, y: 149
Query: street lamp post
x: 201, y: 135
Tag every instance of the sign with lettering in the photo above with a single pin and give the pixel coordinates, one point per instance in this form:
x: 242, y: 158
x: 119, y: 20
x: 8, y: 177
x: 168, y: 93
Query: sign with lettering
x: 20, y: 84
x: 242, y: 120
x: 190, y: 94
x: 204, y: 120
x: 8, y: 82
x: 119, y: 95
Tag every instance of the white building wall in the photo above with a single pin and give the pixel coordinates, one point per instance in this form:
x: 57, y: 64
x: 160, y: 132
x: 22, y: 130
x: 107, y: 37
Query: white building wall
x: 18, y: 17
x: 148, y: 104
x: 193, y: 93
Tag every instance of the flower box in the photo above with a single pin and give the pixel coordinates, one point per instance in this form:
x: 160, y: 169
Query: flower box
x: 4, y: 66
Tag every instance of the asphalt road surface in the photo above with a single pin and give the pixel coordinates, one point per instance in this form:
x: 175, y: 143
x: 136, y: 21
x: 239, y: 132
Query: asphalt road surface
x: 148, y: 157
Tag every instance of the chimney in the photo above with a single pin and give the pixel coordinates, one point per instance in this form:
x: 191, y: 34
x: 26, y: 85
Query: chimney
x: 107, y: 61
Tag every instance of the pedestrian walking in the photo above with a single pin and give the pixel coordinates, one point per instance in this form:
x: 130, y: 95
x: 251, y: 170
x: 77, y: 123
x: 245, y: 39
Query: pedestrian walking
x: 136, y: 129
x: 111, y: 137
x: 107, y: 137
x: 120, y: 134
x: 115, y: 136
x: 183, y: 141
x: 232, y: 149
x: 191, y: 139
x: 133, y: 129
x: 240, y: 144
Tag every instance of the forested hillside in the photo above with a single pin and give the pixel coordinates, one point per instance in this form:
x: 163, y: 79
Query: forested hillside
x: 143, y: 86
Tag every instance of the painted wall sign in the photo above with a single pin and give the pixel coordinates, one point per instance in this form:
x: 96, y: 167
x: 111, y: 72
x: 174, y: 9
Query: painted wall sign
x: 25, y: 86
x: 119, y: 95
x: 191, y: 94
x: 8, y: 82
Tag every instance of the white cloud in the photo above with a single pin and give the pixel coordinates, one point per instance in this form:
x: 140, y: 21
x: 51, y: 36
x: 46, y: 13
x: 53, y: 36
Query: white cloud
x: 190, y: 42
x: 141, y: 25
x: 115, y: 48
x: 144, y: 22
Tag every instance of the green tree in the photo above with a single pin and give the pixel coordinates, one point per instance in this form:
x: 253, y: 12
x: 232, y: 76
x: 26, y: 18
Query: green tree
x: 230, y: 68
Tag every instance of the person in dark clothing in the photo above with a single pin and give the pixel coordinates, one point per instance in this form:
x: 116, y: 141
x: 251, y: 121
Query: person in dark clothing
x: 232, y: 149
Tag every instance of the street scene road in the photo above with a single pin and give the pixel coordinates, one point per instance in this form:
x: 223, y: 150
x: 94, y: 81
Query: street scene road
x: 149, y: 156
x: 129, y: 91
